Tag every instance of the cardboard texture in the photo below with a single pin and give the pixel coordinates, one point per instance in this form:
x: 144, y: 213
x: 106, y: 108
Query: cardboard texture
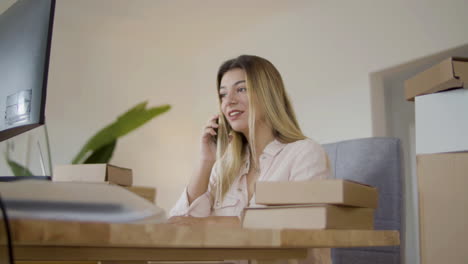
x: 448, y: 74
x: 308, y: 217
x: 442, y: 122
x: 333, y: 191
x: 147, y: 193
x: 443, y: 214
x: 93, y: 173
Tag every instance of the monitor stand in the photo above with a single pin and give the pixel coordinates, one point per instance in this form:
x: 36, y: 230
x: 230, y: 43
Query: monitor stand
x: 31, y: 151
x: 47, y: 151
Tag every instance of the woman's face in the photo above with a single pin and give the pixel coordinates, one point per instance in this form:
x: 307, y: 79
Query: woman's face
x: 234, y: 100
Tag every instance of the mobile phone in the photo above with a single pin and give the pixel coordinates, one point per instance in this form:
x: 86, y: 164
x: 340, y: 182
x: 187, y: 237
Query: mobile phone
x: 215, y: 137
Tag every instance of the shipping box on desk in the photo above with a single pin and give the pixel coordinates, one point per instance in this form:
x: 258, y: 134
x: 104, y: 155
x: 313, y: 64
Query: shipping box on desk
x: 443, y: 207
x: 442, y: 122
x: 331, y: 191
x: 308, y: 217
x: 147, y: 193
x: 449, y: 74
x: 93, y: 173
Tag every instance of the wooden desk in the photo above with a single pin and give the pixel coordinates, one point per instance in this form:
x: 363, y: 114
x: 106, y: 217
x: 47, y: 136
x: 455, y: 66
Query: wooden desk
x: 72, y: 241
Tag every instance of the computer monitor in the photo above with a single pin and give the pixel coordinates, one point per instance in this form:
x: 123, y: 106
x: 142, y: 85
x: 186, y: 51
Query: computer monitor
x: 25, y: 42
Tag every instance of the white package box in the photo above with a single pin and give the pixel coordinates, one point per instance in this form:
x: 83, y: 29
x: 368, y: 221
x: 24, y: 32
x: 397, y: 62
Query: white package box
x: 442, y: 122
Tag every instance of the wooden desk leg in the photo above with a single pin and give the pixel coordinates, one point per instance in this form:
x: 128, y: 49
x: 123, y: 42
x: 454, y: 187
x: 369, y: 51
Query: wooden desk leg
x: 259, y: 261
x: 55, y: 262
x: 314, y: 256
x: 319, y: 256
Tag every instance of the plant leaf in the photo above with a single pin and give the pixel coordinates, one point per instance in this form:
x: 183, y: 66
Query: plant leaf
x: 125, y: 123
x: 17, y: 169
x: 102, y: 155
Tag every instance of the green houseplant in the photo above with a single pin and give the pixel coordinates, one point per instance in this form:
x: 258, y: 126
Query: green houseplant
x: 100, y: 147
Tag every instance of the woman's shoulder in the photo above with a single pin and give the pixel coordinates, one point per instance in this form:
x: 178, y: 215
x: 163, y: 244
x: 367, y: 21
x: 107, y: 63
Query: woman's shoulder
x: 306, y: 144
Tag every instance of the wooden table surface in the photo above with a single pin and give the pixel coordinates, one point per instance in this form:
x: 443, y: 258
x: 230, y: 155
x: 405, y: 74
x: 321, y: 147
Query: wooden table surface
x: 66, y: 240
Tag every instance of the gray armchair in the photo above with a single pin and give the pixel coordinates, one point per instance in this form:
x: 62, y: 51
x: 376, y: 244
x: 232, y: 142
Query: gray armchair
x: 377, y: 162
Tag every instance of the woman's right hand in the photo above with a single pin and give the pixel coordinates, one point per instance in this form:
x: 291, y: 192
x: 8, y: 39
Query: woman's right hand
x: 208, y: 144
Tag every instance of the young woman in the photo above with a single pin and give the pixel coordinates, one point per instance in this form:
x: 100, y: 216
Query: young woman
x: 255, y: 137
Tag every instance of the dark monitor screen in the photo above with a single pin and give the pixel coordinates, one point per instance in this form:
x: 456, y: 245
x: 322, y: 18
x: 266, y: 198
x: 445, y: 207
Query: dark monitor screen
x: 25, y: 42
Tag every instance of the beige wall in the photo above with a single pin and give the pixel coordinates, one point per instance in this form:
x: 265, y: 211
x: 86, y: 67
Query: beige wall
x: 108, y: 55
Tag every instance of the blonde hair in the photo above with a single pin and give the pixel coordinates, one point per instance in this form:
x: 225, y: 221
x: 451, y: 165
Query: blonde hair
x: 266, y: 92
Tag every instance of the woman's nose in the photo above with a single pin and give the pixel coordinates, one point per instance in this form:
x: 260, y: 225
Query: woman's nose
x: 231, y: 97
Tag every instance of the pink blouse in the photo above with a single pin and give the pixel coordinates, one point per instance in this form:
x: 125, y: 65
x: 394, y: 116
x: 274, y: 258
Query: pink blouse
x: 298, y: 161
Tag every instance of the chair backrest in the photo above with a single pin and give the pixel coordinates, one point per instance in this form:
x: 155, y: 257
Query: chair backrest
x: 377, y: 162
x: 6, y: 251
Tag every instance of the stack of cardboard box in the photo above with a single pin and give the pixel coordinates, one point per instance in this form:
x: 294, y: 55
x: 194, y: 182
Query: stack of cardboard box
x: 318, y: 204
x: 102, y: 173
x: 441, y: 106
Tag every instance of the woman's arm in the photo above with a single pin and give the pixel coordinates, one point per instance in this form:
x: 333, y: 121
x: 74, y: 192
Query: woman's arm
x: 311, y: 163
x: 198, y: 184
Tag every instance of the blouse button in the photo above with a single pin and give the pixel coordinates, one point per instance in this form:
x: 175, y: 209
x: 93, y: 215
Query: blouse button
x: 239, y: 189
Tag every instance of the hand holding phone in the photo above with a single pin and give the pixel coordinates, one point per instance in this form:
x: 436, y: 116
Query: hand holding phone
x: 209, y: 139
x: 215, y: 137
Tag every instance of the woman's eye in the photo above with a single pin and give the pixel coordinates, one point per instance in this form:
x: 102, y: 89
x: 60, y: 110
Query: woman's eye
x: 242, y: 89
x: 222, y: 95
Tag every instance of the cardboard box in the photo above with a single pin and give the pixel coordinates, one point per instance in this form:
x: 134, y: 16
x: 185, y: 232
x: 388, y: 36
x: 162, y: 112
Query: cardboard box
x: 450, y: 73
x: 147, y: 193
x: 308, y: 217
x: 443, y: 204
x: 93, y: 173
x: 333, y: 191
x: 442, y: 122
